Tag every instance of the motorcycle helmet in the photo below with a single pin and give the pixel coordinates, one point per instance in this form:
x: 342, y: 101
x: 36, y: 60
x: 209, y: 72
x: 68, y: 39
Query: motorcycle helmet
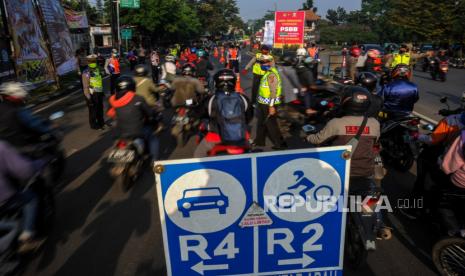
x: 301, y: 52
x: 265, y: 59
x: 124, y: 84
x: 170, y: 58
x: 193, y: 50
x: 356, y: 100
x: 367, y: 80
x: 401, y: 71
x: 164, y: 83
x: 225, y: 80
x: 188, y: 69
x: 355, y: 51
x: 265, y: 49
x: 141, y: 70
x: 201, y: 53
x: 14, y: 90
x: 374, y: 53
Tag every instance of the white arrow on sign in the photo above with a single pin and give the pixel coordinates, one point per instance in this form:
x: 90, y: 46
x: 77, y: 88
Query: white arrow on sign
x: 304, y: 261
x: 200, y: 268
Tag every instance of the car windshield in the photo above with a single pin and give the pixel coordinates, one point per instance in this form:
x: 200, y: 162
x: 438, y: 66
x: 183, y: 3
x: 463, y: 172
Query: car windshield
x: 202, y: 192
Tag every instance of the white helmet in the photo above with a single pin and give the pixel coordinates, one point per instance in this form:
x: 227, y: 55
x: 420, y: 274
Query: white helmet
x: 301, y: 52
x: 14, y: 89
x: 170, y: 58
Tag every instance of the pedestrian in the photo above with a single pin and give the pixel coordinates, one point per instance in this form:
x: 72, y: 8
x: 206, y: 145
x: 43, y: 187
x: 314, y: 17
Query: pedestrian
x: 141, y: 55
x: 93, y: 92
x: 257, y: 71
x: 112, y: 68
x: 269, y: 96
x: 155, y: 62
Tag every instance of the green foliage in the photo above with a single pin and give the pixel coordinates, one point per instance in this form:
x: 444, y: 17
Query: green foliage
x: 338, y: 16
x: 307, y: 5
x: 330, y: 34
x: 91, y: 11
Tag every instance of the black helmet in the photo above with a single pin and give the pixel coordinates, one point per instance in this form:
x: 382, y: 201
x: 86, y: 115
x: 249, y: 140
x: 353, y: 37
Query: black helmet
x: 124, y: 84
x: 368, y: 80
x: 188, y: 69
x: 141, y: 70
x: 356, y: 100
x: 225, y: 80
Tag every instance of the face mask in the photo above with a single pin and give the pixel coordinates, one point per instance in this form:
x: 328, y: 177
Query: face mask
x: 402, y: 51
x: 265, y: 67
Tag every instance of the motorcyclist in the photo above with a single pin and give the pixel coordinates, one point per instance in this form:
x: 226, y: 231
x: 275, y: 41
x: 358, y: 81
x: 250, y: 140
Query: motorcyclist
x: 18, y: 125
x: 304, y: 69
x: 374, y: 62
x: 168, y: 69
x: 257, y: 71
x: 134, y: 118
x: 453, y: 162
x: 145, y: 86
x: 187, y: 89
x: 203, y: 64
x: 370, y: 81
x: 356, y: 102
x: 14, y: 166
x: 192, y: 57
x: 354, y: 55
x: 225, y: 81
x: 400, y: 95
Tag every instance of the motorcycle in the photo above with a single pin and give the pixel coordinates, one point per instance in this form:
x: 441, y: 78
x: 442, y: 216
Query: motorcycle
x: 439, y: 70
x: 398, y: 140
x: 364, y: 225
x: 184, y: 123
x: 11, y: 220
x: 127, y: 158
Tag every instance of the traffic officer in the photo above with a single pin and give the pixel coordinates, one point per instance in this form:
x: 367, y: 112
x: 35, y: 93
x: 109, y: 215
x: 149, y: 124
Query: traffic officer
x: 402, y: 57
x: 93, y: 91
x: 257, y: 71
x: 269, y: 96
x: 112, y: 68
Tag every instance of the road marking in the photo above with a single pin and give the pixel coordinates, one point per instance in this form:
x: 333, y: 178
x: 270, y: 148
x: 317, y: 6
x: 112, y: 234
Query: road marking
x: 425, y: 118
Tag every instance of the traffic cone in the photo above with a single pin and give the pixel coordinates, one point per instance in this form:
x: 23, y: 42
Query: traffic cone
x: 238, y: 84
x: 222, y: 60
x: 216, y: 53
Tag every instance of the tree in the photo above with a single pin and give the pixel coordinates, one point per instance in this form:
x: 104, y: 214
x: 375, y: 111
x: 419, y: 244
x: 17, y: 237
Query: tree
x: 100, y: 10
x: 307, y: 5
x: 217, y: 16
x: 338, y: 16
x: 91, y: 11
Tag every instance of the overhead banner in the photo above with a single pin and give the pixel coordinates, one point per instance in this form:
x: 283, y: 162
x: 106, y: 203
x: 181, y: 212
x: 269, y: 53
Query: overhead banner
x: 289, y: 29
x: 59, y: 36
x: 30, y: 51
x: 76, y: 20
x: 269, y: 33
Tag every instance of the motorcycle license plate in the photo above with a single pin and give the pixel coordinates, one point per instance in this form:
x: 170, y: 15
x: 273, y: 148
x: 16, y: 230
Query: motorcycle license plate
x: 121, y: 156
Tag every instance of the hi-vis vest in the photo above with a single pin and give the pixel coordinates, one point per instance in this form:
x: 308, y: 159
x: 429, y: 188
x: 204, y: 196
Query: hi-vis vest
x: 264, y: 92
x: 400, y: 59
x: 257, y: 69
x: 313, y: 52
x: 233, y: 54
x: 95, y: 81
x: 114, y: 64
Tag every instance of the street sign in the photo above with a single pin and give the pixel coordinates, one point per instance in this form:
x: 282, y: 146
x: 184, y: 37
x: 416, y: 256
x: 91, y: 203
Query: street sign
x: 126, y: 33
x: 275, y: 213
x: 130, y: 4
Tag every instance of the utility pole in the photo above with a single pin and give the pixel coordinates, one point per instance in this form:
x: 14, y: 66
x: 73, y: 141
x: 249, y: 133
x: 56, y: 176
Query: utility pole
x: 115, y: 28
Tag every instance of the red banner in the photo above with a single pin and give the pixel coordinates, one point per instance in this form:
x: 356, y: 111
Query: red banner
x: 289, y: 28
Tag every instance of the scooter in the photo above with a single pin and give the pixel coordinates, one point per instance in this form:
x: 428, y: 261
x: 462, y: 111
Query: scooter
x: 11, y: 219
x: 127, y: 159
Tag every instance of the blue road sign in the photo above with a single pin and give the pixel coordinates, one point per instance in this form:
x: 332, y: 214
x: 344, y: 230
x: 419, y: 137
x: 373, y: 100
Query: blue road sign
x: 255, y: 214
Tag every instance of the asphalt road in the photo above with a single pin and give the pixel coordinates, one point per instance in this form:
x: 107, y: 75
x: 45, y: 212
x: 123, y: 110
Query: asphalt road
x: 100, y: 230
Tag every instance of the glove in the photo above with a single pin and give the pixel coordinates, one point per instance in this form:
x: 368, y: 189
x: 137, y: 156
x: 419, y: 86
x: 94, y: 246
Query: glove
x: 244, y: 71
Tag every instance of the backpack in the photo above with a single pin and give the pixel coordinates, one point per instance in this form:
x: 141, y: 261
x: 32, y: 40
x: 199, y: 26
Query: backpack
x: 231, y: 117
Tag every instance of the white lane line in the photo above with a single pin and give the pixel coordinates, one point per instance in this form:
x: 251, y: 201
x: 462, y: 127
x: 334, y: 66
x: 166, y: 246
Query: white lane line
x: 425, y: 118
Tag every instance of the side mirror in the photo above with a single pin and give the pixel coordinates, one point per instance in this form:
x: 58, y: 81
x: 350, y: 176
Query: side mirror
x: 56, y: 115
x: 428, y: 127
x: 443, y: 100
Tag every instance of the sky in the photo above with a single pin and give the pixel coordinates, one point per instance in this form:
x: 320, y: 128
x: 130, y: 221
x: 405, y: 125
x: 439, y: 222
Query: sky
x: 254, y: 9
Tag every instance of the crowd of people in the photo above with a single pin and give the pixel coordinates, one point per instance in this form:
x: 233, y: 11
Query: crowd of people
x: 136, y: 104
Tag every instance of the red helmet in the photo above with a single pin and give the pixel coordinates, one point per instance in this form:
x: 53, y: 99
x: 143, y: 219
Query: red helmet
x: 355, y: 51
x: 401, y: 71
